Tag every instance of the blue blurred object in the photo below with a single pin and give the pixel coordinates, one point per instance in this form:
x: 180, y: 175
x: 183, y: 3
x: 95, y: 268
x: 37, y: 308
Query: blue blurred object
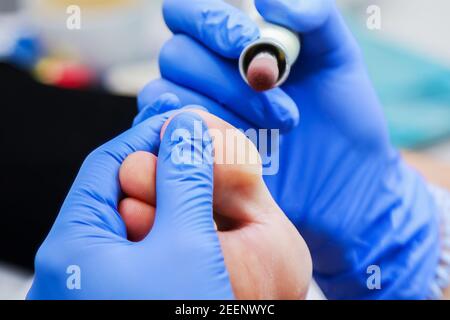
x: 414, y: 90
x: 19, y: 44
x: 27, y: 51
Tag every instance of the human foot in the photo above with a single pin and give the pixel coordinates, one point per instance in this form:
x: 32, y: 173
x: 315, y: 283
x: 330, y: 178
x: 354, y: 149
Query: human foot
x: 265, y: 255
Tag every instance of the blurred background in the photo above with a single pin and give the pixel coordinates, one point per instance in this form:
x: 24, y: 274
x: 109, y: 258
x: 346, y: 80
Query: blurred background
x: 67, y: 90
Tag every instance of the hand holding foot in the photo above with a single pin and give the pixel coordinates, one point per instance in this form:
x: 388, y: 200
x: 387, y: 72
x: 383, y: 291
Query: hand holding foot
x: 264, y: 254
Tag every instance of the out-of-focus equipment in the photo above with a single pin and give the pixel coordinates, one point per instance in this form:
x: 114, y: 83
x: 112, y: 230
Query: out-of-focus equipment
x: 80, y: 43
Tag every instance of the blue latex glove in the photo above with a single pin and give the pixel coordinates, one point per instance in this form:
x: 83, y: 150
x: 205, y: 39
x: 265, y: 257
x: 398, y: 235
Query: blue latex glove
x: 181, y: 258
x: 341, y: 182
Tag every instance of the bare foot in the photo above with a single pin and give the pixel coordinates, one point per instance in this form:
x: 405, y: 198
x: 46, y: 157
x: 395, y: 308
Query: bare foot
x: 265, y: 255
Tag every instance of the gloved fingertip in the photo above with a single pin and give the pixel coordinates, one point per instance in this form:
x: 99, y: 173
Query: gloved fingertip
x: 216, y: 24
x: 151, y: 92
x: 185, y: 175
x: 186, y: 140
x: 281, y: 110
x: 304, y: 16
x: 164, y: 103
x: 145, y: 113
x: 233, y: 39
x: 290, y: 122
x: 167, y: 102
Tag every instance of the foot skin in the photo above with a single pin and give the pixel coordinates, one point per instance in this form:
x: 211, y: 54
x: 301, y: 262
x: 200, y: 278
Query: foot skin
x: 265, y: 255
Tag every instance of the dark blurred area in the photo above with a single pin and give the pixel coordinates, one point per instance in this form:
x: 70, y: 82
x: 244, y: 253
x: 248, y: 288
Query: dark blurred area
x: 45, y: 134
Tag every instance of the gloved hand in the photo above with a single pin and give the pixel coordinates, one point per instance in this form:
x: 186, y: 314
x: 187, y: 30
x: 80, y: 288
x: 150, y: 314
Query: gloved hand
x: 250, y: 225
x: 340, y: 181
x: 87, y: 254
